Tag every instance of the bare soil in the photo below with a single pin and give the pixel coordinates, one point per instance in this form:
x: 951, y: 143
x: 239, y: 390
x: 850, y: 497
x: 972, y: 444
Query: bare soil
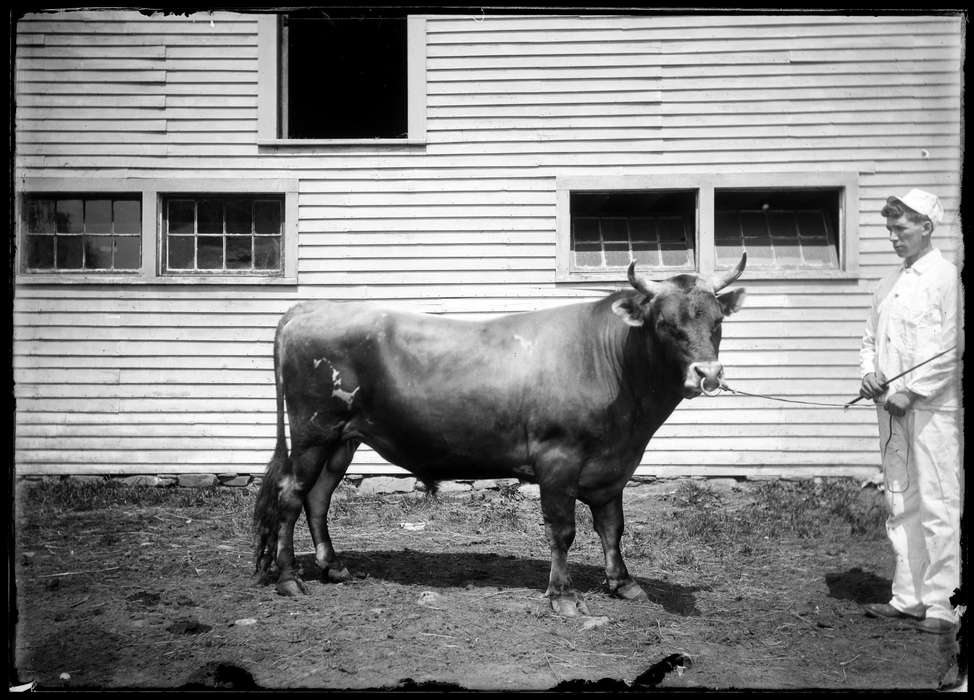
x: 157, y: 591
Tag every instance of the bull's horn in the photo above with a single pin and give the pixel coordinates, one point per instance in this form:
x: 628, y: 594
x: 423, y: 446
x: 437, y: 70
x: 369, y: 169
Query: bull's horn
x: 721, y: 280
x: 647, y: 287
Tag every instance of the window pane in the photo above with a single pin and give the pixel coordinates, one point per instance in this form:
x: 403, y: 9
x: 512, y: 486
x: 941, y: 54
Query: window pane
x: 674, y: 254
x: 128, y: 251
x: 209, y: 252
x: 40, y: 252
x: 267, y: 216
x: 128, y: 216
x: 787, y: 252
x: 98, y: 252
x: 238, y: 216
x: 182, y: 216
x: 672, y: 231
x: 754, y: 224
x: 267, y: 253
x: 209, y: 216
x: 69, y: 252
x: 729, y: 252
x: 98, y: 216
x: 180, y: 251
x: 239, y: 256
x: 726, y: 226
x: 615, y: 240
x: 782, y: 224
x: 818, y: 252
x: 40, y: 216
x: 69, y: 216
x: 586, y: 242
x: 615, y: 230
x: 759, y: 250
x: 645, y: 246
x: 812, y: 223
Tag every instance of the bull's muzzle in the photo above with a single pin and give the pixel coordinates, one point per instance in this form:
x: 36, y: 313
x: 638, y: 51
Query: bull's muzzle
x: 703, y: 378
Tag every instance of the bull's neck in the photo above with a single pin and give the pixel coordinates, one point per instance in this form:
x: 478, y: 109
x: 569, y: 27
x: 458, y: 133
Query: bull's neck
x: 642, y: 372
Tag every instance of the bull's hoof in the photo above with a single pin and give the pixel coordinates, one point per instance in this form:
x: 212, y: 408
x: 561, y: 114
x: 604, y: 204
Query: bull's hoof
x: 335, y: 574
x: 628, y: 590
x: 568, y: 605
x: 291, y: 588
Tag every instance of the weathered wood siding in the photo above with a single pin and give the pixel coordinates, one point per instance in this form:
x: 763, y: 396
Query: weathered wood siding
x: 155, y: 379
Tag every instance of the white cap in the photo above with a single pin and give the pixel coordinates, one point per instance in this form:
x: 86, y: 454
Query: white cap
x: 923, y: 203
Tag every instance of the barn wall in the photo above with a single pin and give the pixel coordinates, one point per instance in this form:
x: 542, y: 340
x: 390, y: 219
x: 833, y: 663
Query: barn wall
x: 178, y: 378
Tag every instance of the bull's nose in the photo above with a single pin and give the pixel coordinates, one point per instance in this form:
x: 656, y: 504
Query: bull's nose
x: 705, y: 376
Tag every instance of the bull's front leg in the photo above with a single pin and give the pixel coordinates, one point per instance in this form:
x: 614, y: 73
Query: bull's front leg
x: 608, y: 520
x: 558, y: 508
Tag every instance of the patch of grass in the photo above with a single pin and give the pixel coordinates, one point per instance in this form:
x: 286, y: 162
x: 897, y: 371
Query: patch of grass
x: 708, y: 523
x: 776, y: 509
x: 82, y: 496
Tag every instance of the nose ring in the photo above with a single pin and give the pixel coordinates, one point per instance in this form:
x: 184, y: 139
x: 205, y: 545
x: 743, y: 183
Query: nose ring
x: 709, y: 392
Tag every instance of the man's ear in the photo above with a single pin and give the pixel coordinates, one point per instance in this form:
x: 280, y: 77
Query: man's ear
x: 731, y: 301
x: 629, y: 310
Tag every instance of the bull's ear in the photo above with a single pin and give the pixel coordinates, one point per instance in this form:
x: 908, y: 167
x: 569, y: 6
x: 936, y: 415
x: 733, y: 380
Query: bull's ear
x: 629, y: 311
x: 731, y: 301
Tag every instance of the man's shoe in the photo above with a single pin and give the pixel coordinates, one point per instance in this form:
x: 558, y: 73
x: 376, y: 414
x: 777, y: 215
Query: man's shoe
x: 936, y: 625
x: 886, y: 610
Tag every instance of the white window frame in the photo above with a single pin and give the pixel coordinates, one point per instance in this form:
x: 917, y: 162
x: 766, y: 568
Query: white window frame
x: 152, y: 191
x: 705, y: 249
x: 268, y: 95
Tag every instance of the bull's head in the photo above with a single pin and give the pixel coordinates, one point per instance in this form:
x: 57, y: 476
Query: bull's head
x: 683, y: 315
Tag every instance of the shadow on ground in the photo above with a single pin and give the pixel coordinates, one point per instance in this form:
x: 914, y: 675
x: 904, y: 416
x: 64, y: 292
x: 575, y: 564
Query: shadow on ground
x: 859, y: 586
x: 460, y: 569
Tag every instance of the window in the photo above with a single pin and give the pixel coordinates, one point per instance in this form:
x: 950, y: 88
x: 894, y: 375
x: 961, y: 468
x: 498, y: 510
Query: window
x: 792, y: 225
x: 654, y: 228
x: 78, y: 232
x: 333, y: 76
x: 157, y: 231
x: 222, y: 234
x: 779, y: 229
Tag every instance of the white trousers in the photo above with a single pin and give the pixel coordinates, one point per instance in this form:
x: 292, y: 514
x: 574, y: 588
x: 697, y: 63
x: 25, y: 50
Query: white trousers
x: 921, y: 464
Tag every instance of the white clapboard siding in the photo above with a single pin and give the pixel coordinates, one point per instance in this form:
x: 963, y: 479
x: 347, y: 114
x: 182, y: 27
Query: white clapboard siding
x: 126, y: 379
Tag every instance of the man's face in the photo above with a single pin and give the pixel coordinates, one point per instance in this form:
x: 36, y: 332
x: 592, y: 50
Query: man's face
x: 908, y: 239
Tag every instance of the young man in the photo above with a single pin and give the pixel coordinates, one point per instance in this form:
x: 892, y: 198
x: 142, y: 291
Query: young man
x: 914, y: 317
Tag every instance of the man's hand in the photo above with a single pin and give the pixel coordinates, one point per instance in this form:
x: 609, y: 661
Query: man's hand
x: 873, y: 385
x: 899, y: 403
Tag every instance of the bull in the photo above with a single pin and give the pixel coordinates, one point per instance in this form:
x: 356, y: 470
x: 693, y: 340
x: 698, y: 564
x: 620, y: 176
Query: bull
x: 567, y: 398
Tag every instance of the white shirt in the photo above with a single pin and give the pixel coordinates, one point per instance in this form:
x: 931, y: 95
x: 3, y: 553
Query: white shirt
x: 914, y: 317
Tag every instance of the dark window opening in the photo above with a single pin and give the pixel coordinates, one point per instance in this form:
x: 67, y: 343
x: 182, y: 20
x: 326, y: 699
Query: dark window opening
x: 654, y: 228
x: 783, y: 229
x: 343, y: 76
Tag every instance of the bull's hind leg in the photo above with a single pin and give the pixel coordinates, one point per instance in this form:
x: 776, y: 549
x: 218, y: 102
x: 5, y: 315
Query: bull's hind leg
x: 306, y: 464
x: 316, y: 510
x: 608, y: 520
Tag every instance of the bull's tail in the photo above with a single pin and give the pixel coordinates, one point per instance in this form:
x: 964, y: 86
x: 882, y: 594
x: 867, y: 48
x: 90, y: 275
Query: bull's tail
x: 267, y: 506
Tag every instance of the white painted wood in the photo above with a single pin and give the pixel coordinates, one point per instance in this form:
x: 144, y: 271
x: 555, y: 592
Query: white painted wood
x: 113, y: 376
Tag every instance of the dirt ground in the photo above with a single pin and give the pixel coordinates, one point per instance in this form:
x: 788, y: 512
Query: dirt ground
x: 151, y: 591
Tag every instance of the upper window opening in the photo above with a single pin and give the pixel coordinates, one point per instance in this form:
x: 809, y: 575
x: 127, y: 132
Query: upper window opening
x: 783, y: 229
x: 82, y: 232
x: 343, y: 77
x: 654, y: 228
